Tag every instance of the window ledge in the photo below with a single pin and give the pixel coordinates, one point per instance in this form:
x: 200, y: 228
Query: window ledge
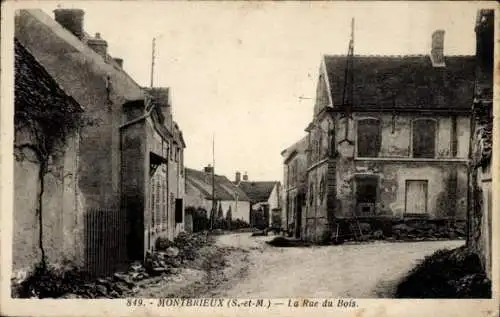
x: 411, y: 159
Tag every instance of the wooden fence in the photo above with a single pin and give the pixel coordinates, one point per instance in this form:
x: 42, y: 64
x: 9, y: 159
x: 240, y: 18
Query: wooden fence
x: 105, y: 235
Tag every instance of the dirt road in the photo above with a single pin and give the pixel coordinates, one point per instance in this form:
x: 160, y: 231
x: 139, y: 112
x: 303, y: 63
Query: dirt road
x: 358, y: 270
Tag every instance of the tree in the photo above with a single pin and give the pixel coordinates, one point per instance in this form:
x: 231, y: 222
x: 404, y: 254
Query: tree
x: 220, y: 213
x: 229, y: 216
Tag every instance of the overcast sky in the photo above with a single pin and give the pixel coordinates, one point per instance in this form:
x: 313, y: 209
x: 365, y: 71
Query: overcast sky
x: 238, y: 69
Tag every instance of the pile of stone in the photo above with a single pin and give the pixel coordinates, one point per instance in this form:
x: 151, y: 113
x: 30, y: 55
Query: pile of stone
x: 167, y: 259
x: 162, y: 262
x: 413, y: 230
x: 427, y: 230
x: 116, y: 286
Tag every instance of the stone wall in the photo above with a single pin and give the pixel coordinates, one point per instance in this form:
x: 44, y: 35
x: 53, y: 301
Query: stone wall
x: 403, y: 229
x: 62, y: 222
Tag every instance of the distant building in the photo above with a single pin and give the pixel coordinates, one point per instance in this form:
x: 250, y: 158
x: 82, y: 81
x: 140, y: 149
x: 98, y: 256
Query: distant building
x: 294, y: 186
x: 227, y: 195
x: 389, y: 140
x: 265, y: 199
x: 480, y: 232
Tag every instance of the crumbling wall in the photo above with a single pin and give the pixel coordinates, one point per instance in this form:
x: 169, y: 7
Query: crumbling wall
x: 62, y: 226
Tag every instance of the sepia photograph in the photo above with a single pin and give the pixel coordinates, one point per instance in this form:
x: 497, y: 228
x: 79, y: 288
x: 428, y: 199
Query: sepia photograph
x: 193, y: 152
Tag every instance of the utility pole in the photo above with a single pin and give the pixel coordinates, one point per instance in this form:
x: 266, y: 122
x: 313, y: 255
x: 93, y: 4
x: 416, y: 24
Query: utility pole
x: 348, y: 91
x: 212, y: 213
x: 153, y: 60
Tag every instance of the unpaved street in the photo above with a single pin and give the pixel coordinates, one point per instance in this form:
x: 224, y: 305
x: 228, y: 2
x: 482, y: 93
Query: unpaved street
x: 351, y: 270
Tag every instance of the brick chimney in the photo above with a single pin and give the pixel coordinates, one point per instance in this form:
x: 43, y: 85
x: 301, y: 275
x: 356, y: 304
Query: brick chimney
x: 237, y: 178
x: 71, y: 20
x: 437, y: 50
x: 162, y: 98
x: 99, y: 45
x: 208, y: 169
x: 245, y: 177
x: 119, y: 61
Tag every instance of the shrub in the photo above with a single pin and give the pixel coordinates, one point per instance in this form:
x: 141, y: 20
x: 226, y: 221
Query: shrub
x: 446, y: 274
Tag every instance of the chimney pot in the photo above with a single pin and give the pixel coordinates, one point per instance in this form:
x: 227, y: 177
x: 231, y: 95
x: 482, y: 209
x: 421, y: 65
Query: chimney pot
x: 237, y: 178
x: 437, y: 49
x: 99, y: 45
x: 245, y: 177
x: 71, y: 20
x: 208, y: 169
x: 119, y: 61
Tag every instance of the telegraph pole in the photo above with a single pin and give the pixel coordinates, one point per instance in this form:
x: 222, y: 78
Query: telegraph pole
x: 212, y: 213
x: 153, y: 60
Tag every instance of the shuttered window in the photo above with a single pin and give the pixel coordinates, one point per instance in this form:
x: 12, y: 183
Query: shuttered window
x: 368, y: 138
x: 424, y: 138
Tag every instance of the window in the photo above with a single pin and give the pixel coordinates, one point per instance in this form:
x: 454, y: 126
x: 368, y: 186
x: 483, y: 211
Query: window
x: 178, y: 210
x: 454, y: 139
x: 416, y: 197
x: 368, y: 137
x: 322, y: 189
x: 366, y: 195
x: 311, y: 194
x: 320, y: 145
x: 424, y: 138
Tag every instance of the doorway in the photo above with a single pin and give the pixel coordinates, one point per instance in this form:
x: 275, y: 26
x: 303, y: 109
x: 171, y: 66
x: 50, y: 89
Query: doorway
x: 366, y: 195
x: 298, y: 216
x: 416, y: 197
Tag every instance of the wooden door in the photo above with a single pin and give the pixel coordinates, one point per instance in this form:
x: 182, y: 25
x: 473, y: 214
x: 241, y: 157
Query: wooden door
x: 416, y: 197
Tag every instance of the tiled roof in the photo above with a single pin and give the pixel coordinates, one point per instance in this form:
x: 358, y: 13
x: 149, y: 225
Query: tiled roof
x: 298, y: 147
x: 224, y: 188
x: 404, y: 82
x: 59, y: 51
x: 36, y: 89
x: 257, y: 191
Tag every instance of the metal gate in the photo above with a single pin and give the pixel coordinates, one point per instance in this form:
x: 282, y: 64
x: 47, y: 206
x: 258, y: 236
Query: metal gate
x: 105, y: 235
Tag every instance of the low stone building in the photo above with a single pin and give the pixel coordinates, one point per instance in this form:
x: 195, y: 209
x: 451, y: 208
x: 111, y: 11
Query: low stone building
x: 228, y: 197
x: 294, y: 186
x: 45, y: 163
x: 480, y: 224
x: 390, y: 140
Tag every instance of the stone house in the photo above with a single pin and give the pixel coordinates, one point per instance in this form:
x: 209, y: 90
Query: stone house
x: 294, y: 186
x: 126, y: 129
x: 41, y: 225
x: 390, y: 140
x: 265, y: 199
x: 480, y: 225
x: 227, y: 195
x: 152, y: 170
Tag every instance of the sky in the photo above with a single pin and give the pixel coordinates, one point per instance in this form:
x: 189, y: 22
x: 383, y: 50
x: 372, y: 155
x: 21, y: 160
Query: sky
x: 237, y: 70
